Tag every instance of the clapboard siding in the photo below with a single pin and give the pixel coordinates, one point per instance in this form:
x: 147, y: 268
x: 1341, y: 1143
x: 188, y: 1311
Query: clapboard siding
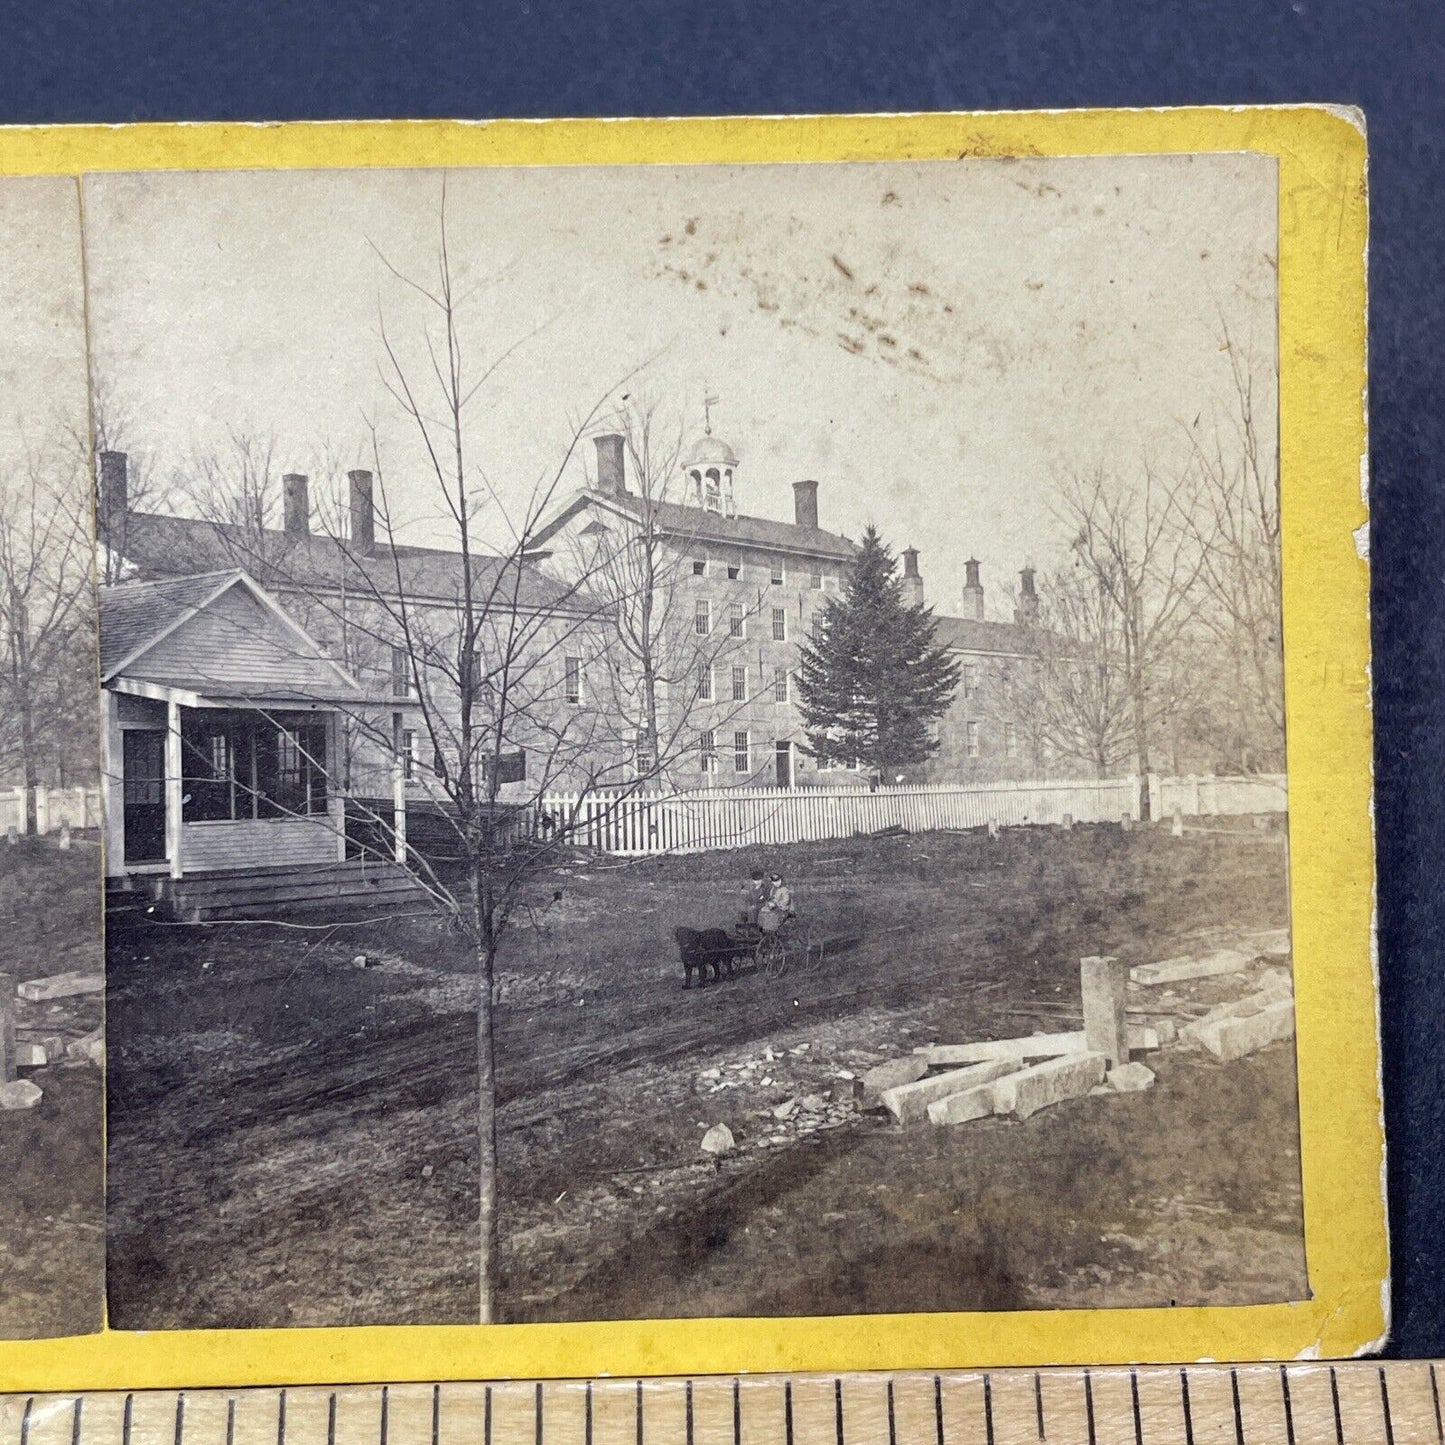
x: 236, y: 643
x: 257, y: 843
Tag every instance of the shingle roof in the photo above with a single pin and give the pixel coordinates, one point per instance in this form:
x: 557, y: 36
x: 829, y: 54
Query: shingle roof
x: 968, y: 634
x: 132, y: 613
x: 163, y: 546
x: 696, y: 522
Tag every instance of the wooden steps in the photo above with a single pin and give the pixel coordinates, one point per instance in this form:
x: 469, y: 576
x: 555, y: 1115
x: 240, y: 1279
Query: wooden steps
x: 356, y: 888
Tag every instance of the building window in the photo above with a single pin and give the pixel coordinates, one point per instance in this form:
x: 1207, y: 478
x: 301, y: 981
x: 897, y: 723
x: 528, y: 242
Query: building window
x: 780, y: 624
x: 970, y: 679
x: 780, y: 684
x: 815, y: 579
x: 742, y: 753
x: 574, y: 679
x: 1006, y: 685
x: 776, y: 577
x: 970, y: 736
x: 408, y: 755
x: 735, y: 570
x: 400, y: 672
x: 707, y: 747
x: 740, y: 684
x: 699, y: 566
x: 737, y: 620
x: 703, y: 621
x: 704, y: 681
x: 815, y: 628
x: 1011, y: 740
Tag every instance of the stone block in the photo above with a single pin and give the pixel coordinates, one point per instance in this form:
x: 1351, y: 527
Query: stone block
x: 1051, y: 1082
x: 1232, y: 1038
x: 908, y: 1103
x: 30, y: 1056
x: 1182, y: 970
x: 1034, y: 1046
x: 890, y: 1075
x: 718, y: 1140
x: 1130, y: 1079
x: 974, y: 1103
x: 19, y: 1094
x: 1103, y: 984
x: 63, y: 985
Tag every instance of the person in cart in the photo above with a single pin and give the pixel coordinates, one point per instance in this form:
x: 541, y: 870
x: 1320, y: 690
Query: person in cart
x: 755, y: 894
x: 777, y: 906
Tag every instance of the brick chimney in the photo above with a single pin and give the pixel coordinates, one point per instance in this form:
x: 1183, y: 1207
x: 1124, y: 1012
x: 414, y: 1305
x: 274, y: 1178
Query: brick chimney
x: 114, y: 502
x: 611, y: 475
x: 296, y: 505
x: 805, y: 504
x: 1028, y: 609
x: 912, y: 582
x: 972, y: 591
x: 363, y: 513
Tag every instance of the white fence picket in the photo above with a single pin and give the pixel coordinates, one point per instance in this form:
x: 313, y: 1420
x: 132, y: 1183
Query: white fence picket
x: 646, y: 824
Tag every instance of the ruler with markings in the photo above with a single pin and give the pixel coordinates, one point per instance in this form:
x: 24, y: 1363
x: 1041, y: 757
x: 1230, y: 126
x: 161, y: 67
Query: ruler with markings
x: 1355, y: 1403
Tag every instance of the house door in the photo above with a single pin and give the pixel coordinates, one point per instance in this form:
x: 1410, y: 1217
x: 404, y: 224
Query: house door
x: 783, y: 766
x: 143, y: 756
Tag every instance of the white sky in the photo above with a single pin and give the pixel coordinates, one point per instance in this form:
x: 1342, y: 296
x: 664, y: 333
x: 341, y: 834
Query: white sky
x: 934, y: 342
x: 42, y: 320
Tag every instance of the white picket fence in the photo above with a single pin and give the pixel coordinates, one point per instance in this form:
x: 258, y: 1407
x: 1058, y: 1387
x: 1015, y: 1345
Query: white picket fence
x: 80, y: 807
x: 645, y: 824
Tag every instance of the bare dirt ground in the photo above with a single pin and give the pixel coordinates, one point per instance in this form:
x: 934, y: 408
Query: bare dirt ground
x: 291, y: 1136
x: 52, y: 1266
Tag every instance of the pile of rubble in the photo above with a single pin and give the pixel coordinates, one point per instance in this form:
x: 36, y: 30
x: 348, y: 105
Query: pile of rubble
x: 956, y: 1083
x: 42, y: 1025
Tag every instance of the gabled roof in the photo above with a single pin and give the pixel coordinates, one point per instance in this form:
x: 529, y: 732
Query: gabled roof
x: 968, y: 634
x: 689, y: 523
x: 137, y: 617
x: 160, y: 546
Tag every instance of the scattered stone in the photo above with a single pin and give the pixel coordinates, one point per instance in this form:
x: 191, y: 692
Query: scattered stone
x: 19, y: 1094
x: 1035, y: 1046
x: 786, y: 1110
x: 1232, y: 1038
x: 1182, y: 970
x: 710, y: 1074
x: 908, y: 1103
x: 812, y: 1103
x: 359, y: 961
x: 1166, y: 1030
x: 890, y: 1075
x: 846, y: 1074
x: 800, y: 1049
x: 427, y: 1171
x: 1130, y: 1079
x: 961, y: 1108
x: 718, y: 1140
x: 62, y: 985
x: 30, y: 1056
x: 1273, y: 944
x: 89, y: 1046
x: 1029, y: 1090
x: 1277, y: 983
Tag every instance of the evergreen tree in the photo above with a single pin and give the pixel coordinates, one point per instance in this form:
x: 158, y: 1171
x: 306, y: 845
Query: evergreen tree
x: 874, y: 679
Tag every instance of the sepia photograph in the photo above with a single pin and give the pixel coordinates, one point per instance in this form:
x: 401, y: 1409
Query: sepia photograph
x: 677, y: 741
x: 52, y: 969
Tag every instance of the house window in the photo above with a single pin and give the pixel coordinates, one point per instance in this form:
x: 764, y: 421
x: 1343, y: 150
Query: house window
x: 740, y: 684
x: 970, y: 737
x: 1011, y: 740
x: 400, y: 672
x: 707, y: 745
x: 815, y: 579
x: 776, y: 577
x: 815, y: 628
x: 742, y: 753
x: 780, y: 624
x: 735, y: 570
x: 780, y: 684
x: 699, y: 566
x: 737, y: 620
x: 970, y: 679
x: 408, y: 755
x: 703, y: 621
x: 573, y: 679
x: 1006, y: 685
x: 704, y: 681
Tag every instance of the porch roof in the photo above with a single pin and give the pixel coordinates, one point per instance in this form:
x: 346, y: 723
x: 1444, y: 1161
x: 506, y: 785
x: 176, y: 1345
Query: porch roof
x: 188, y: 692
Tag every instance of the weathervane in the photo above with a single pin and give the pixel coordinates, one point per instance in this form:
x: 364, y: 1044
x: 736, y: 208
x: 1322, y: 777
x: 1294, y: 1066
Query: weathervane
x: 708, y: 402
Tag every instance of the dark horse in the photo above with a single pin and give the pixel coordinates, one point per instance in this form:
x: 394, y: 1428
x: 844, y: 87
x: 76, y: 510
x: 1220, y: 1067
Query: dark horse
x: 702, y: 949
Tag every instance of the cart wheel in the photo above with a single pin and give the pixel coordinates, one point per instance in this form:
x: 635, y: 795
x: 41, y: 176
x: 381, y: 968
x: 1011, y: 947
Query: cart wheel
x: 773, y: 956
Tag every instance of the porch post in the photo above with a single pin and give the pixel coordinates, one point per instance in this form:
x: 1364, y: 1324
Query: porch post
x: 173, y: 787
x: 335, y: 796
x: 398, y: 789
x: 112, y: 786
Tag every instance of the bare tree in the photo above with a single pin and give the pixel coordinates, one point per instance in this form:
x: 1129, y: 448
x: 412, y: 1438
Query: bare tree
x: 1130, y: 539
x: 1233, y: 519
x: 46, y: 616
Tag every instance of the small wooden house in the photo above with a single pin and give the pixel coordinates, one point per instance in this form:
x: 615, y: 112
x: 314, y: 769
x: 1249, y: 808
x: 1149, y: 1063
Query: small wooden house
x: 222, y: 727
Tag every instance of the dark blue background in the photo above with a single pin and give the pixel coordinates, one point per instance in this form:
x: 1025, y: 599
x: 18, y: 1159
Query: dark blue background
x: 159, y: 60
